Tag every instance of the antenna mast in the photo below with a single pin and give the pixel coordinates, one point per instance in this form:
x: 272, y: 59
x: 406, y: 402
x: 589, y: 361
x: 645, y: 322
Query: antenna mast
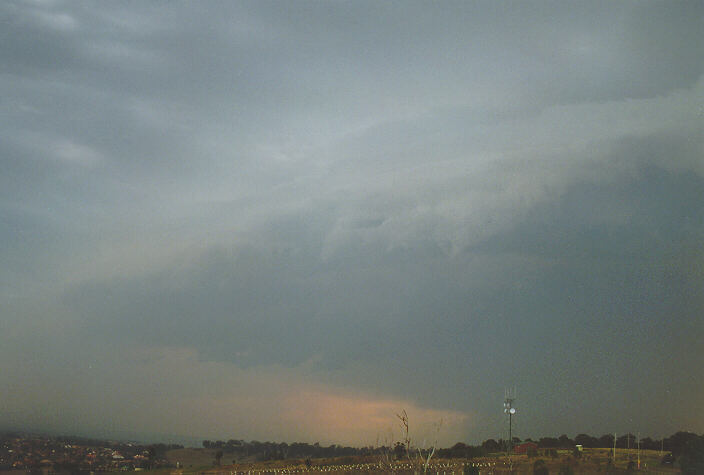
x: 510, y: 410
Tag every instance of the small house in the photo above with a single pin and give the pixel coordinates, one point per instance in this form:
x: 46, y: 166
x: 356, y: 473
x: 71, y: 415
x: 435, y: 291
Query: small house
x: 525, y: 447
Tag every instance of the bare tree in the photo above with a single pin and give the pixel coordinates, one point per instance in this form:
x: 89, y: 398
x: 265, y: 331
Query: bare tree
x: 403, y: 417
x: 421, y: 459
x: 431, y: 450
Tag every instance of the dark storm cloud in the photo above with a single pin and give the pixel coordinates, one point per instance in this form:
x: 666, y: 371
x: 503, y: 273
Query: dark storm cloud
x: 596, y: 285
x: 385, y: 204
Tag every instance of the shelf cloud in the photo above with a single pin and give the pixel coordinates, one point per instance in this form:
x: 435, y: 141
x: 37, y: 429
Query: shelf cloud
x: 293, y: 221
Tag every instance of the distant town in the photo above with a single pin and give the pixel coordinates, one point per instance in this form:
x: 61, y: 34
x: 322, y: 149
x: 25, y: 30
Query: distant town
x: 70, y: 454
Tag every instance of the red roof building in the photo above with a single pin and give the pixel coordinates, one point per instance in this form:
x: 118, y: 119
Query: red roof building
x: 525, y: 447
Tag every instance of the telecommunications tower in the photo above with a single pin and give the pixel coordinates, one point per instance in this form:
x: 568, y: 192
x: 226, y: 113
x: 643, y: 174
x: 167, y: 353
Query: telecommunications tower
x: 510, y: 411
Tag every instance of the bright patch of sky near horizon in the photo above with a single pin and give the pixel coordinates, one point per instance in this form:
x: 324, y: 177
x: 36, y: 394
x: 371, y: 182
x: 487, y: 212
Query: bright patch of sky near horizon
x: 226, y: 220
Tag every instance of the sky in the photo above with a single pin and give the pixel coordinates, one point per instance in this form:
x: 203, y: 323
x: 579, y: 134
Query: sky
x: 291, y: 221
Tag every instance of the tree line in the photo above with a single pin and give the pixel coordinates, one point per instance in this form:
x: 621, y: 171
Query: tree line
x: 282, y: 450
x: 239, y: 449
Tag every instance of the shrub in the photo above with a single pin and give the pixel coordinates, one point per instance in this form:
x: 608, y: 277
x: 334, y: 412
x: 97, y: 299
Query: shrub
x: 539, y: 468
x: 470, y: 470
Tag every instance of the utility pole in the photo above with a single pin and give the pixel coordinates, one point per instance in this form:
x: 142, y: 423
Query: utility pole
x: 638, y: 435
x: 614, y: 448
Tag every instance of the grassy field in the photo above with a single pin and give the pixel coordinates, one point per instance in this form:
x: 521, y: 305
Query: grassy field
x: 197, y: 458
x: 200, y: 461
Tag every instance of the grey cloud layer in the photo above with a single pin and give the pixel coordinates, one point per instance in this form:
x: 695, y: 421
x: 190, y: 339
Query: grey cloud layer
x: 419, y: 203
